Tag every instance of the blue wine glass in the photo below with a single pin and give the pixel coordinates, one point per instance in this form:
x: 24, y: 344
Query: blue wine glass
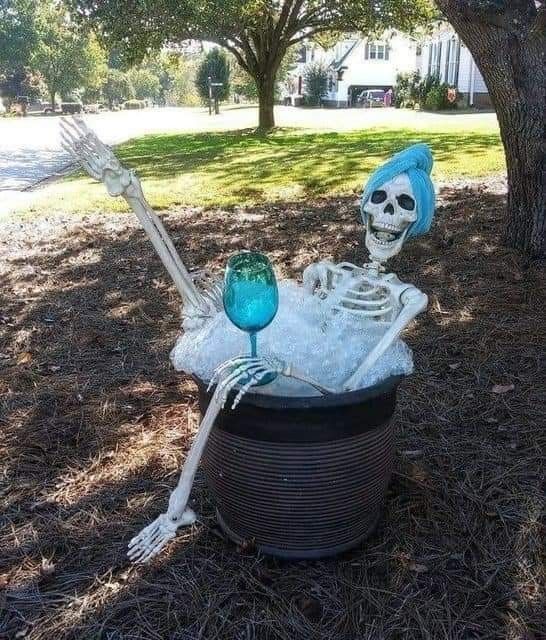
x: 251, y: 296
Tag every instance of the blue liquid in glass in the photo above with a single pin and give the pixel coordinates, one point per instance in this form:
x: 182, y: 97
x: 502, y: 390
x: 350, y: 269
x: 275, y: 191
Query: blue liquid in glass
x: 251, y: 296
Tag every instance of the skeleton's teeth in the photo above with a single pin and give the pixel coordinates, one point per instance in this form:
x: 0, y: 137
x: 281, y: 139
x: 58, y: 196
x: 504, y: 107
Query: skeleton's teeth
x: 383, y: 235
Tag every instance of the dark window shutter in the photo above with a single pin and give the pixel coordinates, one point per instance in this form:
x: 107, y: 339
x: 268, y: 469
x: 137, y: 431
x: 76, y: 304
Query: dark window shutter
x: 387, y: 51
x: 457, y: 62
x: 448, y: 55
x: 367, y: 51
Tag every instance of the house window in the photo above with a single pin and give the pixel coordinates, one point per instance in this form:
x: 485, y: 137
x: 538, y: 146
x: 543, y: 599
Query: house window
x: 453, y: 75
x: 429, y: 65
x: 453, y: 55
x: 376, y: 51
x: 449, y: 55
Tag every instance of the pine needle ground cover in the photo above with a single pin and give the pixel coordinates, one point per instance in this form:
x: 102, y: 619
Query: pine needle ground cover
x: 95, y: 425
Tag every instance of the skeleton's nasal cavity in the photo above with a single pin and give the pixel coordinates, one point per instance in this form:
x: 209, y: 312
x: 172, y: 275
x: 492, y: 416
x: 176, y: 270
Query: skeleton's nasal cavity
x: 389, y: 209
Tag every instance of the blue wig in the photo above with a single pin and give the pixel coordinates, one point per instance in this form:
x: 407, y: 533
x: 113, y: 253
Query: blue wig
x: 416, y: 161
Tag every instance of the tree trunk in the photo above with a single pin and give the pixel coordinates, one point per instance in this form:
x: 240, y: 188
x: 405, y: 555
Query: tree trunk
x: 266, y: 98
x: 511, y: 54
x: 52, y: 95
x: 522, y: 130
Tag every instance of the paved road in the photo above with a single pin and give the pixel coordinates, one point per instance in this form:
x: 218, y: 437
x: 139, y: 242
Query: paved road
x: 30, y: 148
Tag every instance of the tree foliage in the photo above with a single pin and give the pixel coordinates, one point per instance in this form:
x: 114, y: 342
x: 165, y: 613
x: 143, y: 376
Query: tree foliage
x: 215, y: 66
x: 182, y: 89
x: 18, y: 34
x: 145, y: 83
x: 257, y: 32
x: 66, y: 57
x: 117, y: 87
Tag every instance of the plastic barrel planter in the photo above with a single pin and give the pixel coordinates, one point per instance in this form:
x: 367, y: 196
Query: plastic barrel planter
x: 302, y: 477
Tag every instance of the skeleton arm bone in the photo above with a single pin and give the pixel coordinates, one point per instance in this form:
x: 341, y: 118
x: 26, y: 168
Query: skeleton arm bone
x: 242, y: 372
x: 155, y: 536
x: 102, y: 165
x: 413, y: 303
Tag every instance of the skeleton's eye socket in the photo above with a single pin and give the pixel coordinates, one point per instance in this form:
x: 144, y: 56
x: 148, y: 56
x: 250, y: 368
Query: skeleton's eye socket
x: 378, y: 196
x: 406, y: 202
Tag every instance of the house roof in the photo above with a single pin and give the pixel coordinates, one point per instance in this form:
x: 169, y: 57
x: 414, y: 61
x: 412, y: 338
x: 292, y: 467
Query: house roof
x: 337, y: 63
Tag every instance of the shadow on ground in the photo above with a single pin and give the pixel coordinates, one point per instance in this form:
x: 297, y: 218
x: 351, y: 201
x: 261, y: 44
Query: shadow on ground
x: 95, y: 426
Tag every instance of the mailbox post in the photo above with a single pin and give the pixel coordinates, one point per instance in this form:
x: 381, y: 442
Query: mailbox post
x: 214, y: 95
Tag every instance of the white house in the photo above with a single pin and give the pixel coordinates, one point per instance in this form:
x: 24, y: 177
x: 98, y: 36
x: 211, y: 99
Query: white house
x: 445, y: 56
x: 356, y: 64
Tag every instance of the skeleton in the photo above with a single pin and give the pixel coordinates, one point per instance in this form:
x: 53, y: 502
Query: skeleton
x: 202, y: 298
x: 367, y: 292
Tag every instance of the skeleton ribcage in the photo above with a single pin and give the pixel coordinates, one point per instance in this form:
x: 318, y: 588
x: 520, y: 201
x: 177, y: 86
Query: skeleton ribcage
x: 359, y: 296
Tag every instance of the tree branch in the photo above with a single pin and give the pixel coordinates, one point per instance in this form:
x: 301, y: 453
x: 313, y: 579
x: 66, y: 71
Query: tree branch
x: 499, y: 13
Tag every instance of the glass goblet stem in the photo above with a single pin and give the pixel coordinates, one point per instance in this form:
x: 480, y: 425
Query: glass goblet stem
x: 253, y: 344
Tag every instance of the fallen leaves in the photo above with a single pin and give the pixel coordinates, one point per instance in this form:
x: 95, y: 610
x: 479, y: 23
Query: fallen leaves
x: 25, y: 357
x: 502, y: 388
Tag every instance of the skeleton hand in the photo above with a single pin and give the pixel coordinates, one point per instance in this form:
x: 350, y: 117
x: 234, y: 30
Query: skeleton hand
x: 97, y: 159
x: 321, y: 277
x: 101, y: 164
x: 252, y: 371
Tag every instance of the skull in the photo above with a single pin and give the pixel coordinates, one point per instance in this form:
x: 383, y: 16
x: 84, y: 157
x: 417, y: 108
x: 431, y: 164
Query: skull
x: 390, y: 211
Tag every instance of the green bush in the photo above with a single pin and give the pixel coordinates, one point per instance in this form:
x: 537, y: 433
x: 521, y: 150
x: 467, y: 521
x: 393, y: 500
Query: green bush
x: 406, y: 89
x: 134, y: 104
x: 315, y: 77
x: 428, y: 93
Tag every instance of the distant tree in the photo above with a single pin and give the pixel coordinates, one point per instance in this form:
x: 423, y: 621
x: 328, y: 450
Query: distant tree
x: 18, y: 34
x: 66, y: 58
x: 146, y: 84
x: 215, y: 65
x: 117, y: 87
x: 21, y: 82
x: 18, y: 37
x: 315, y: 78
x: 243, y: 84
x: 183, y: 90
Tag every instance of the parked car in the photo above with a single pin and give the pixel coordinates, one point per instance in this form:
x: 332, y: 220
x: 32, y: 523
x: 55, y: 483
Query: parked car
x: 71, y: 107
x: 94, y: 108
x: 372, y: 98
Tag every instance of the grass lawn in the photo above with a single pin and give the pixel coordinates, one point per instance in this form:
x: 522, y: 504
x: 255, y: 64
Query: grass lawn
x: 237, y: 167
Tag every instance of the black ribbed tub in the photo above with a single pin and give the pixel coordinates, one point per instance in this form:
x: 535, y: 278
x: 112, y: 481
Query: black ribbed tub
x: 302, y: 477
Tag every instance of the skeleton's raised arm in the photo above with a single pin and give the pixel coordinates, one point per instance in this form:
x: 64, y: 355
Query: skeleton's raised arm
x: 102, y: 165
